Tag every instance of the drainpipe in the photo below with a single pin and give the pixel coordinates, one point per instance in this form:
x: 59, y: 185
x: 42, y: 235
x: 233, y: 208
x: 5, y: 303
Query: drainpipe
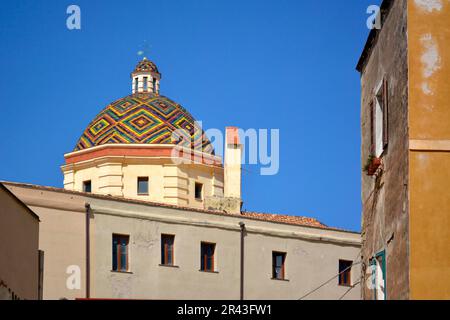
x: 242, y: 225
x: 88, y: 252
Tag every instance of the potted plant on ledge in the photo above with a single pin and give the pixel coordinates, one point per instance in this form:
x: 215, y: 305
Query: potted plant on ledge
x: 372, y: 165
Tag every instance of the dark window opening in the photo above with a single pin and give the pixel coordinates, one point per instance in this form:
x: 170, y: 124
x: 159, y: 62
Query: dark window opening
x: 145, y: 84
x: 278, y: 268
x: 198, y: 191
x: 142, y: 185
x: 154, y: 85
x: 136, y: 84
x: 345, y: 271
x: 207, y: 256
x: 87, y: 186
x: 167, y: 257
x: 120, y: 252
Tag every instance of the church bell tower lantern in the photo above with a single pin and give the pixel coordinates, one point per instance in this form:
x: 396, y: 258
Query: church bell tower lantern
x: 145, y: 77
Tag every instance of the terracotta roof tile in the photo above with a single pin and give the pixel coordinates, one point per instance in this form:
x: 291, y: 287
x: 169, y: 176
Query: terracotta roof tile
x: 304, y: 221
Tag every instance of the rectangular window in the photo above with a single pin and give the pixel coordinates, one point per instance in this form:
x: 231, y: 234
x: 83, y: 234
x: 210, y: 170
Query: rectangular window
x: 167, y: 249
x: 136, y: 84
x: 145, y: 83
x: 154, y: 84
x: 207, y: 256
x: 198, y: 191
x: 120, y: 252
x: 142, y: 185
x: 278, y: 269
x: 87, y: 186
x: 345, y: 271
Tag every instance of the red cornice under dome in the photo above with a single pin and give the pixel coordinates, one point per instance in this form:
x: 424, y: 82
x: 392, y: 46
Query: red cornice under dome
x: 150, y: 151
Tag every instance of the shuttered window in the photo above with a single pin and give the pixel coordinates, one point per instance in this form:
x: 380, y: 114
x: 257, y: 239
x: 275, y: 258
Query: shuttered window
x: 379, y: 120
x: 207, y: 251
x: 120, y: 252
x: 167, y: 242
x: 278, y: 269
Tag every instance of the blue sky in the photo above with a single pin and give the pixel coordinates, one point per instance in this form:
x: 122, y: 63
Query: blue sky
x: 288, y: 65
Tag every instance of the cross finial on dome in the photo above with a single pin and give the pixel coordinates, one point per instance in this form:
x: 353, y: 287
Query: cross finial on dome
x: 145, y: 50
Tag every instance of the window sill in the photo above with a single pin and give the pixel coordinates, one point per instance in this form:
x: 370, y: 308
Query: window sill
x: 118, y: 271
x: 285, y: 280
x: 345, y: 285
x: 168, y: 265
x: 206, y: 271
x: 143, y: 194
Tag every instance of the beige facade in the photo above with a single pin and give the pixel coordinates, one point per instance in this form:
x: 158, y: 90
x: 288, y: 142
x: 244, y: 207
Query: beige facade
x: 171, y: 179
x: 312, y: 253
x: 19, y: 240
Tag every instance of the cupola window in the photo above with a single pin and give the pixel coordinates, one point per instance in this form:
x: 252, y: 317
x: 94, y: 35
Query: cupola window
x: 145, y: 84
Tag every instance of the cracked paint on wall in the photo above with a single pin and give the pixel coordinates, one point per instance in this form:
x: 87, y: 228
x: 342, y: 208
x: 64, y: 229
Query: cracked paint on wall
x: 430, y: 59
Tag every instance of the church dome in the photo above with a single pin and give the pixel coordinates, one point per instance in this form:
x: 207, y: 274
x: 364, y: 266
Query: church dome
x: 143, y: 118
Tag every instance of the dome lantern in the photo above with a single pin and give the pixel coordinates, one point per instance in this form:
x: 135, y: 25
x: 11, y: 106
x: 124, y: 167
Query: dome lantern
x: 145, y: 77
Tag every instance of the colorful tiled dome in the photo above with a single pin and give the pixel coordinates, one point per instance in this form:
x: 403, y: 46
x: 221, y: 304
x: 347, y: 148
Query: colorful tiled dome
x: 146, y: 118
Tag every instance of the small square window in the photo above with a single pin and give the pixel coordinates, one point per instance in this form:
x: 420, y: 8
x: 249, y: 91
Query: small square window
x: 142, y: 185
x: 198, y: 191
x: 345, y: 271
x: 167, y: 251
x: 207, y: 251
x: 87, y: 186
x: 278, y: 268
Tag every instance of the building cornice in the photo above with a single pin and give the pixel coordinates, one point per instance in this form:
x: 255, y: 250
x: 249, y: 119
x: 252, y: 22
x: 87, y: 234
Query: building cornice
x: 166, y: 151
x: 270, y: 231
x: 429, y: 145
x: 40, y: 202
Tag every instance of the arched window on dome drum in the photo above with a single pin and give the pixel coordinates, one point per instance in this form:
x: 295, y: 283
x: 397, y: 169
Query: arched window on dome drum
x: 154, y: 85
x: 136, y: 84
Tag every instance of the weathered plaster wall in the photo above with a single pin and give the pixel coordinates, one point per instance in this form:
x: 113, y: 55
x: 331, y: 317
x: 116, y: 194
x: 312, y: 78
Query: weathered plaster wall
x: 384, y: 197
x: 62, y: 238
x: 429, y: 121
x: 310, y: 261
